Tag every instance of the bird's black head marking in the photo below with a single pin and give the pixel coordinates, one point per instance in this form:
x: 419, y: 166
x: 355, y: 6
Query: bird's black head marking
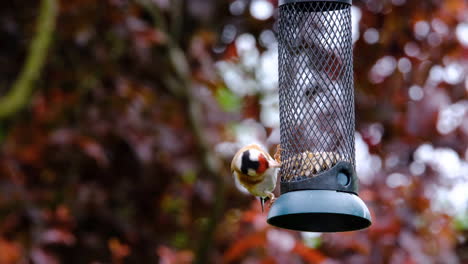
x: 247, y: 163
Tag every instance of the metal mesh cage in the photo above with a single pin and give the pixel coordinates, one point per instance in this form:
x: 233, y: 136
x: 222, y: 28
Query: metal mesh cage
x: 316, y: 93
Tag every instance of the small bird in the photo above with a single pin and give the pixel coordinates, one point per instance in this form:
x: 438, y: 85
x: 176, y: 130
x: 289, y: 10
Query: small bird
x: 256, y: 170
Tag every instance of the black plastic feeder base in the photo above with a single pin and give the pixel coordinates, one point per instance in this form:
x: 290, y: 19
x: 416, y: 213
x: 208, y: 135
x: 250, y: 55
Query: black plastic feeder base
x: 319, y: 211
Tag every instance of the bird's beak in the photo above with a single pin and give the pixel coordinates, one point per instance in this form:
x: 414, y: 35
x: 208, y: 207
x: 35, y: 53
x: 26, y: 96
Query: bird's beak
x: 274, y: 164
x: 262, y: 202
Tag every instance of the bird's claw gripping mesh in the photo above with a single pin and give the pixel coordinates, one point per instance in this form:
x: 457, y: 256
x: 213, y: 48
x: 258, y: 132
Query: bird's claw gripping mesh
x: 316, y: 89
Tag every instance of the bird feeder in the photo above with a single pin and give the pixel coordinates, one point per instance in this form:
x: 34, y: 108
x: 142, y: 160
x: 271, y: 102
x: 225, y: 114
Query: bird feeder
x: 319, y: 187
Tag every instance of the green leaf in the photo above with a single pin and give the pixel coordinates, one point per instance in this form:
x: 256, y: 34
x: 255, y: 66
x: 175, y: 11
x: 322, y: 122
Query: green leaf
x: 313, y: 242
x: 180, y: 240
x: 461, y: 222
x: 189, y: 177
x: 228, y: 101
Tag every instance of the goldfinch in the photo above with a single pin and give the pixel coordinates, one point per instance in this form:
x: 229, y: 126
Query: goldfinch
x: 256, y: 170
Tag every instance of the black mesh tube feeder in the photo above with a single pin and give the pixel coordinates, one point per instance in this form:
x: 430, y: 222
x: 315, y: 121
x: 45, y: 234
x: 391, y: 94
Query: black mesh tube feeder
x: 319, y: 187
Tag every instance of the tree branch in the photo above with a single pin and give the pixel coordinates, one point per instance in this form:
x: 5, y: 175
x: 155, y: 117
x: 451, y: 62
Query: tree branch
x: 177, y: 18
x: 21, y: 90
x: 211, y: 163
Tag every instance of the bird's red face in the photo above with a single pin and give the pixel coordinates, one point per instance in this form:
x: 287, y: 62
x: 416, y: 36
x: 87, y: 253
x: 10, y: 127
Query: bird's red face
x: 253, y: 162
x: 263, y: 164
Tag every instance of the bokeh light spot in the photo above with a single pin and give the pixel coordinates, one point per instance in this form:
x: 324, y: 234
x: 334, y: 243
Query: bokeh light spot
x: 371, y: 36
x: 261, y: 9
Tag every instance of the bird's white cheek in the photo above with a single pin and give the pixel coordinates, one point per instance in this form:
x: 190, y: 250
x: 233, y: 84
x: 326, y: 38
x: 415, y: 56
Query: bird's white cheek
x: 254, y: 154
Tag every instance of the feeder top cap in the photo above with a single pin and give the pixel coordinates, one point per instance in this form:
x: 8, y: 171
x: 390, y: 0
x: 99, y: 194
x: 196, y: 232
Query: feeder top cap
x: 283, y: 2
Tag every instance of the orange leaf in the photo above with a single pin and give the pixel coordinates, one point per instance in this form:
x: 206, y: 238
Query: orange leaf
x: 119, y: 250
x: 268, y: 260
x: 241, y: 246
x: 9, y: 252
x: 308, y: 254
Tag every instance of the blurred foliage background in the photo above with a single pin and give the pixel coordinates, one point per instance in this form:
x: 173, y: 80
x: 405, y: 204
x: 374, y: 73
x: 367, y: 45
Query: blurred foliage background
x: 118, y: 120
